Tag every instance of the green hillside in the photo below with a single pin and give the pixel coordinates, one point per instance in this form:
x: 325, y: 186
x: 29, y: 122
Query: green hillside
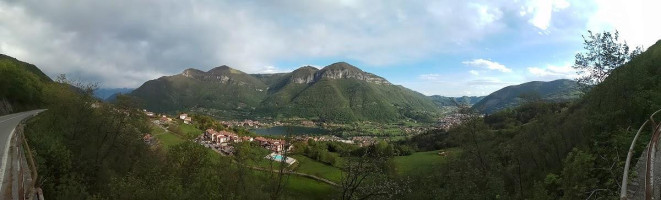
x: 512, y: 96
x: 21, y: 85
x: 285, y: 89
x: 8, y: 60
x: 468, y: 100
x: 455, y: 101
x: 338, y: 92
x: 220, y: 88
x: 342, y: 92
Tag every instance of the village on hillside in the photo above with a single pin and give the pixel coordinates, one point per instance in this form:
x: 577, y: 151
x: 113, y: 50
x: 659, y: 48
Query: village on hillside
x: 222, y: 141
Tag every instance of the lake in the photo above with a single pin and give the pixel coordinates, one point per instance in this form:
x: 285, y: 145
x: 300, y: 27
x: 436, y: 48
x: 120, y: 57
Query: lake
x: 295, y: 130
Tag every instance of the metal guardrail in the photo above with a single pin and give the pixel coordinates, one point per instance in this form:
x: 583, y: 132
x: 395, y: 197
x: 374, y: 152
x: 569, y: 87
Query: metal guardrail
x: 627, y: 164
x: 21, y: 175
x: 27, y: 153
x: 649, y: 165
x: 649, y: 160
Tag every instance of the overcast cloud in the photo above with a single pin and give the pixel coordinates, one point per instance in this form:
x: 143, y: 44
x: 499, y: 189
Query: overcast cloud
x: 124, y: 43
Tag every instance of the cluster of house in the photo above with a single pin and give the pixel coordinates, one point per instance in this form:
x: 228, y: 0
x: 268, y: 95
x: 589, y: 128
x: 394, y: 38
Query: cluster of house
x: 247, y: 123
x: 186, y: 118
x: 414, y: 130
x: 322, y: 138
x: 164, y: 119
x: 451, y: 120
x: 357, y: 140
x: 244, y: 123
x: 220, y: 140
x: 364, y: 140
x: 307, y: 123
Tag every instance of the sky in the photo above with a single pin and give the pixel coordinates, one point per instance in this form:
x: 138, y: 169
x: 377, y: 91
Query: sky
x: 450, y: 48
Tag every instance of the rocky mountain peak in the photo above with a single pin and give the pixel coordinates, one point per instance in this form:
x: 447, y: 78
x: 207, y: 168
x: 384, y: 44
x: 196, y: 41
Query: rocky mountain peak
x: 223, y: 69
x: 342, y: 66
x: 304, y: 75
x: 192, y: 73
x: 342, y: 70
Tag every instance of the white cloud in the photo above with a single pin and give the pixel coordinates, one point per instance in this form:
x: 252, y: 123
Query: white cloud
x: 487, y: 14
x: 634, y: 19
x: 552, y: 72
x: 461, y: 83
x: 271, y: 70
x: 474, y: 72
x: 89, y: 38
x: 541, y: 11
x: 491, y: 65
x: 430, y: 77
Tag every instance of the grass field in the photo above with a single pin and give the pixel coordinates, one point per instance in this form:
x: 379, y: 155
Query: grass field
x: 155, y: 130
x: 190, y: 131
x: 169, y: 139
x: 304, y: 188
x: 297, y: 187
x: 312, y: 167
x: 421, y: 162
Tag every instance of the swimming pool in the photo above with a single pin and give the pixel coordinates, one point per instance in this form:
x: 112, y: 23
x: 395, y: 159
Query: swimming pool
x: 279, y: 158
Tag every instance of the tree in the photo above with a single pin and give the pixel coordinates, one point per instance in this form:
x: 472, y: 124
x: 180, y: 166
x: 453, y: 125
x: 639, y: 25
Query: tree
x: 577, y: 180
x: 604, y: 53
x: 19, y: 87
x: 369, y: 175
x: 530, y: 97
x: 280, y: 176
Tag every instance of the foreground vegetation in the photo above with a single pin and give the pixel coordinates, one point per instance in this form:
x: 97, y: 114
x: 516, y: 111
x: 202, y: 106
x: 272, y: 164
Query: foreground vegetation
x: 549, y: 150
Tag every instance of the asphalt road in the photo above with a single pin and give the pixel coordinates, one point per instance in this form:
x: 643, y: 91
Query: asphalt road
x: 7, y: 125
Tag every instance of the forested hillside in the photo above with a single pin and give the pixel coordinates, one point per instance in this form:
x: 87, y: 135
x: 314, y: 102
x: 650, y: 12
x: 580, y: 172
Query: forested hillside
x: 221, y: 88
x: 455, y: 101
x: 515, y: 95
x: 21, y: 85
x: 552, y: 150
x: 109, y: 93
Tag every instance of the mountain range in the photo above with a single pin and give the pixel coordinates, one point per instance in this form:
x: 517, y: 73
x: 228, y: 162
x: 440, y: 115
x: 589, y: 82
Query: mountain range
x: 455, y: 101
x: 337, y: 92
x: 108, y: 94
x: 515, y: 95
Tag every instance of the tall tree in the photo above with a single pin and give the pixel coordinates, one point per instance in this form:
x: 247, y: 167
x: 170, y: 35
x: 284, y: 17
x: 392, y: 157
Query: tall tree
x: 604, y: 53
